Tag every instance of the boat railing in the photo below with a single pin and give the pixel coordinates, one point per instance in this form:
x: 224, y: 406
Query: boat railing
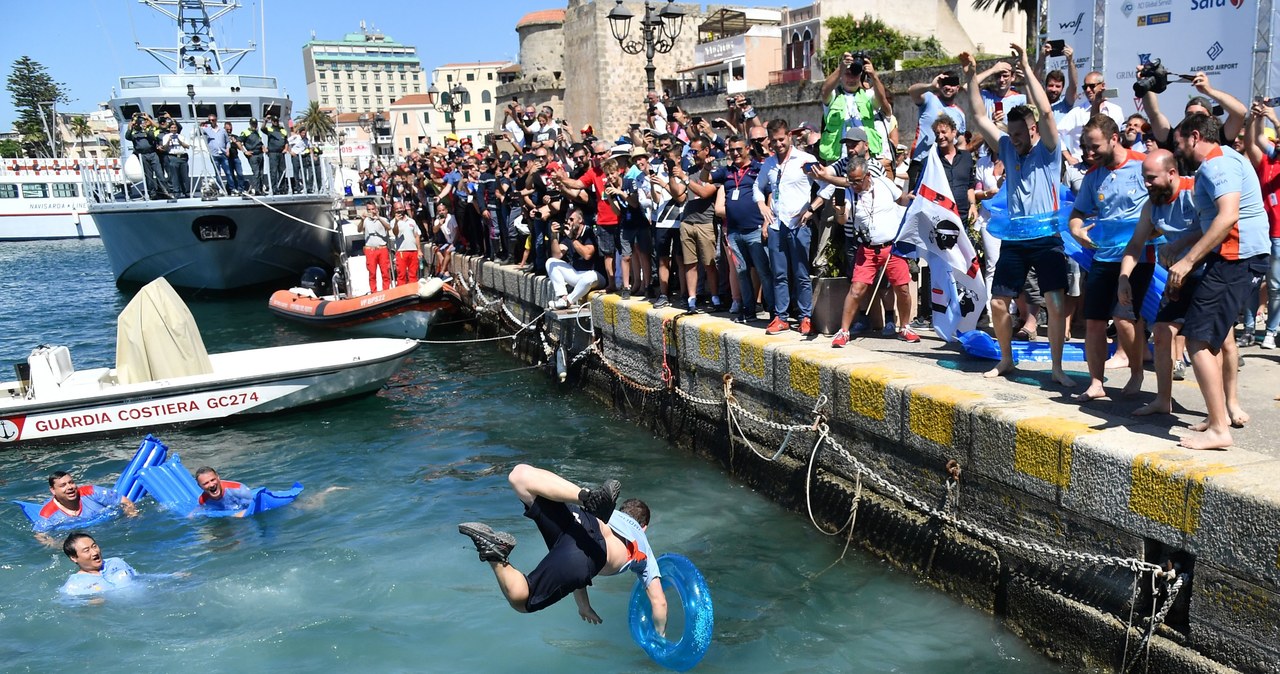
x: 273, y: 174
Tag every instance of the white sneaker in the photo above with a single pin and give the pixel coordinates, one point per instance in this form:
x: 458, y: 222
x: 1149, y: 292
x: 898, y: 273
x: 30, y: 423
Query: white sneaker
x: 1269, y: 341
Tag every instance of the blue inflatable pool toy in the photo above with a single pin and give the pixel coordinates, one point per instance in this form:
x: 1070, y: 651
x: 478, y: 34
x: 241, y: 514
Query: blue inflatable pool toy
x: 173, y: 487
x: 680, y: 574
x: 979, y: 344
x: 150, y: 453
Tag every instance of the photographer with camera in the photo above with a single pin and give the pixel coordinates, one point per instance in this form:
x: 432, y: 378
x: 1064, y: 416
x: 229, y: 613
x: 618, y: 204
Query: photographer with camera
x: 575, y: 261
x: 846, y: 104
x: 1153, y: 79
x: 656, y: 113
x: 175, y: 149
x: 146, y: 143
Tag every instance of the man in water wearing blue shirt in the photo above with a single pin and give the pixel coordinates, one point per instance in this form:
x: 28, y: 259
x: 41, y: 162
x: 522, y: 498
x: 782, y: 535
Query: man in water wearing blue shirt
x: 73, y: 502
x: 585, y: 538
x: 219, y: 494
x: 96, y: 575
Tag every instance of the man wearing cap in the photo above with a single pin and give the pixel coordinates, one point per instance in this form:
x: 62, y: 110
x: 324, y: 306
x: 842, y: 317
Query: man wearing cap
x: 847, y: 104
x: 277, y: 143
x: 251, y: 144
x: 807, y: 137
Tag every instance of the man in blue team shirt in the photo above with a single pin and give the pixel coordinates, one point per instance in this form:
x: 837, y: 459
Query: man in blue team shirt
x: 1113, y: 193
x: 1169, y: 214
x: 1033, y: 170
x: 219, y: 494
x: 72, y: 502
x: 96, y: 575
x: 934, y: 99
x: 1234, y: 250
x: 585, y: 538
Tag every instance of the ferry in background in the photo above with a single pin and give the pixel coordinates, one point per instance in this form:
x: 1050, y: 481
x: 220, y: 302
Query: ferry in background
x: 44, y: 198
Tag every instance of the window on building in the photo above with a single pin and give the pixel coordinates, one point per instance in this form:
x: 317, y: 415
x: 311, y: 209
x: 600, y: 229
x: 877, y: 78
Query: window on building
x: 366, y: 100
x: 404, y: 89
x: 35, y: 191
x: 364, y: 88
x: 490, y: 76
x: 324, y: 100
x: 364, y: 76
x: 321, y: 75
x: 377, y: 88
x: 466, y: 115
x: 402, y: 76
x: 351, y: 100
x: 426, y: 117
x: 486, y: 97
x: 417, y: 88
x: 351, y: 76
x: 488, y: 116
x: 65, y: 190
x: 404, y: 118
x: 8, y: 191
x: 448, y: 78
x: 324, y: 88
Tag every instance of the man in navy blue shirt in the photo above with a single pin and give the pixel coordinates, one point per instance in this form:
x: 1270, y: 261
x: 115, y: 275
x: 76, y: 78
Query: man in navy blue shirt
x: 742, y: 224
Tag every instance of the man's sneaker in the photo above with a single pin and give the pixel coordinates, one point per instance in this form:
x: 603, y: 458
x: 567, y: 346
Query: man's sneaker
x: 661, y: 301
x: 600, y: 501
x: 806, y: 326
x: 921, y: 323
x: 859, y: 326
x: 908, y: 335
x: 1245, y: 339
x: 841, y: 338
x: 1179, y: 370
x: 494, y: 546
x: 889, y: 330
x: 716, y: 306
x: 735, y: 308
x: 1269, y: 341
x: 741, y: 318
x: 557, y: 305
x: 625, y: 293
x: 777, y: 326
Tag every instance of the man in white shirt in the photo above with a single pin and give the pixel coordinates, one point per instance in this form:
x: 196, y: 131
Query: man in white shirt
x: 657, y: 113
x: 408, y: 242
x: 1072, y: 125
x: 875, y: 207
x: 785, y: 179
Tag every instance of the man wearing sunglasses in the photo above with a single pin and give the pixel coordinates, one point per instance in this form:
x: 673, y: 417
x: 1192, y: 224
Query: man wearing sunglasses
x: 1094, y: 102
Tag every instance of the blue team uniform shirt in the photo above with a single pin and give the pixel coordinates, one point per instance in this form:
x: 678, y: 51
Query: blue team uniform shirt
x: 116, y: 573
x: 1032, y: 181
x: 741, y: 211
x: 235, y: 496
x: 1116, y: 196
x: 1011, y: 100
x: 93, y: 501
x: 930, y: 109
x: 643, y: 562
x: 1176, y: 218
x: 1224, y: 172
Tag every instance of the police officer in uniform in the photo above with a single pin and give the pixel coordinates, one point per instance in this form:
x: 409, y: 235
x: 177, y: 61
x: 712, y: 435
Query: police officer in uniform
x: 142, y: 133
x: 251, y: 144
x: 277, y: 141
x: 313, y: 158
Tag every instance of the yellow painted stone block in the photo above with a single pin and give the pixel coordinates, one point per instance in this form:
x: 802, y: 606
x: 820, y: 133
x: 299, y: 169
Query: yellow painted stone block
x: 931, y: 411
x: 805, y: 377
x: 751, y: 355
x: 639, y: 321
x: 1168, y: 487
x: 1042, y: 448
x: 609, y: 306
x: 867, y: 390
x: 709, y: 337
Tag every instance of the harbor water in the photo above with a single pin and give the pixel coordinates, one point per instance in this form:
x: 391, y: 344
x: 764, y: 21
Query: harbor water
x: 367, y: 572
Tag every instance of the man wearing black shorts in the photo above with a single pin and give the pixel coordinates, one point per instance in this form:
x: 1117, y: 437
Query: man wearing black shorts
x: 585, y: 536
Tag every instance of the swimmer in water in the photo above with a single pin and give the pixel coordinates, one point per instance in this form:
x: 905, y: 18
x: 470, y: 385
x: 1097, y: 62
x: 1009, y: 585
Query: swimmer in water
x: 585, y: 536
x: 219, y: 494
x: 96, y: 575
x: 72, y: 502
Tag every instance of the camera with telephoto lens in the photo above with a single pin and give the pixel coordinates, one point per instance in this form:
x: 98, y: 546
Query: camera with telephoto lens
x: 859, y: 62
x: 1152, y: 77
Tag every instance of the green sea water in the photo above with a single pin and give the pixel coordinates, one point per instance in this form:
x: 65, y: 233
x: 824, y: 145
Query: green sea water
x: 373, y: 576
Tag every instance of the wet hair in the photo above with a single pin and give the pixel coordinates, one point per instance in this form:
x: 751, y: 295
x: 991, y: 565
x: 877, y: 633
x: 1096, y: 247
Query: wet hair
x: 637, y: 509
x: 944, y: 120
x: 1102, y: 123
x: 69, y: 545
x: 202, y: 470
x: 1055, y: 76
x: 57, y: 475
x: 776, y: 125
x: 1208, y: 126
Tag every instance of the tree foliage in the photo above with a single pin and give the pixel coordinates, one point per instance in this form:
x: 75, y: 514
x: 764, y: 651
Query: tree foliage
x: 884, y: 43
x: 80, y: 129
x: 10, y: 149
x: 30, y: 85
x: 319, y: 125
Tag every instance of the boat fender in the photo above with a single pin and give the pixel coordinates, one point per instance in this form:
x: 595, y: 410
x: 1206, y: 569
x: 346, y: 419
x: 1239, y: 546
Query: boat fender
x: 680, y: 574
x: 151, y: 452
x: 429, y: 287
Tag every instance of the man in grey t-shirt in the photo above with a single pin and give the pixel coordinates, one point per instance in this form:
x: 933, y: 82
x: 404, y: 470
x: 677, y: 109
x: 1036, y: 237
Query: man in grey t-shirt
x: 219, y: 143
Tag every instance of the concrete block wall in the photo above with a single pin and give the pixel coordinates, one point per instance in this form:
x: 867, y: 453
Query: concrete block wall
x: 1033, y: 469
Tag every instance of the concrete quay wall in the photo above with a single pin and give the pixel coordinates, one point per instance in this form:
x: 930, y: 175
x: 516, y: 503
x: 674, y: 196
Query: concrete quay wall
x: 1039, y: 473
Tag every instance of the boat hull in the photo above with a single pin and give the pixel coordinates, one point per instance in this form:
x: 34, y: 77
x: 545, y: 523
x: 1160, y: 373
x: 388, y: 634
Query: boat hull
x: 208, y: 398
x: 219, y: 245
x: 40, y: 226
x: 404, y: 311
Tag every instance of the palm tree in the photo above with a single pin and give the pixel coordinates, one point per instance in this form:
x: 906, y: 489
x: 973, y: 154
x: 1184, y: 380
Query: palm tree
x: 319, y: 125
x: 1029, y: 8
x: 80, y: 128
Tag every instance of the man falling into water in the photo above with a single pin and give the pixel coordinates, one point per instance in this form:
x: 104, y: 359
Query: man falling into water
x: 585, y: 538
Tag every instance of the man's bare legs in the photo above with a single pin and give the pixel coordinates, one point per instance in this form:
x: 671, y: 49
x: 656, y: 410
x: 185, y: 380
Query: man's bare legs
x: 1216, y: 430
x: 1055, y: 305
x: 1002, y: 322
x: 1166, y: 338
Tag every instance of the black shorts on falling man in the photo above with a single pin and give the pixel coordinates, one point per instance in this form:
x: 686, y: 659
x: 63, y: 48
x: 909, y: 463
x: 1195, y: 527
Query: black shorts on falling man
x: 575, y: 552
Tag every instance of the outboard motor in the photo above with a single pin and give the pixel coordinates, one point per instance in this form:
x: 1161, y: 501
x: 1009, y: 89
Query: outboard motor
x: 316, y: 280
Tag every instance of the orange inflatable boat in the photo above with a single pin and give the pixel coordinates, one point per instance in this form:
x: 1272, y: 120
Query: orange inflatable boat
x: 402, y: 311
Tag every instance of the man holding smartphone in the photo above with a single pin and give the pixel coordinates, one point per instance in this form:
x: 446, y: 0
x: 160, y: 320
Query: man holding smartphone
x: 933, y: 98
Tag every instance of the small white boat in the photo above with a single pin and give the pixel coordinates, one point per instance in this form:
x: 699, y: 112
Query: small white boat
x: 164, y: 377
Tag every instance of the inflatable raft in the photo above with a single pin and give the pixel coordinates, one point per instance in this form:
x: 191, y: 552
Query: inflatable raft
x: 173, y: 487
x: 402, y: 311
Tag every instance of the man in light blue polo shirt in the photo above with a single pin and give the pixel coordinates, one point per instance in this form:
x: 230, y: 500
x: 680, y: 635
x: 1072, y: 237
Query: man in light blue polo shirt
x: 933, y: 98
x: 1234, y: 249
x: 1033, y: 168
x: 1112, y: 192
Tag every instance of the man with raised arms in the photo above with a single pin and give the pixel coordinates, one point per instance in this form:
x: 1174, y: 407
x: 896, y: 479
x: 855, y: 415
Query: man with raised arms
x: 585, y: 538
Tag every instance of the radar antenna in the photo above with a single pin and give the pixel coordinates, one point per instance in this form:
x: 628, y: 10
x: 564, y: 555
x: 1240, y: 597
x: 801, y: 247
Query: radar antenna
x: 197, y: 51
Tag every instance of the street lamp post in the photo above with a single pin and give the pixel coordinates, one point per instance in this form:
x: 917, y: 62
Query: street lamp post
x: 658, y: 33
x: 449, y: 103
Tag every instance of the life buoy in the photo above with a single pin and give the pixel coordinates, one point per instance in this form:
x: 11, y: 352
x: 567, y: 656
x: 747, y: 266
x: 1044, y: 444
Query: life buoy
x: 680, y: 574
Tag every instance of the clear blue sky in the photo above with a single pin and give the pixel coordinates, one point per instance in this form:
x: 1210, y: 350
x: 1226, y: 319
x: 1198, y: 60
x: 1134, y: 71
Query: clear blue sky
x: 89, y: 44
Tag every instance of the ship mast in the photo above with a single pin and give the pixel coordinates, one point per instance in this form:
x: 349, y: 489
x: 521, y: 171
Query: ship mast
x: 197, y: 51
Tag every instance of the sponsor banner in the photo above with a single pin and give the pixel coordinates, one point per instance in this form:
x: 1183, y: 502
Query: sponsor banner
x: 1072, y: 21
x: 1188, y: 36
x: 184, y: 408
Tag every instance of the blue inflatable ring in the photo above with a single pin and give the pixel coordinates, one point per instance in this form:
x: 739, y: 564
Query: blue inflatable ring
x: 680, y: 574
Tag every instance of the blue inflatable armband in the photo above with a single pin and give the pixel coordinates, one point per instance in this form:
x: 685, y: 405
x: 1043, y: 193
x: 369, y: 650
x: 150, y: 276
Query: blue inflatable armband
x: 680, y: 574
x: 175, y: 489
x: 150, y: 453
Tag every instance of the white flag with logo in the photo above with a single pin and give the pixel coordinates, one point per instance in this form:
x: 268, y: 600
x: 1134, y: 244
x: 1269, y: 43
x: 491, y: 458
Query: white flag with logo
x: 959, y: 293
